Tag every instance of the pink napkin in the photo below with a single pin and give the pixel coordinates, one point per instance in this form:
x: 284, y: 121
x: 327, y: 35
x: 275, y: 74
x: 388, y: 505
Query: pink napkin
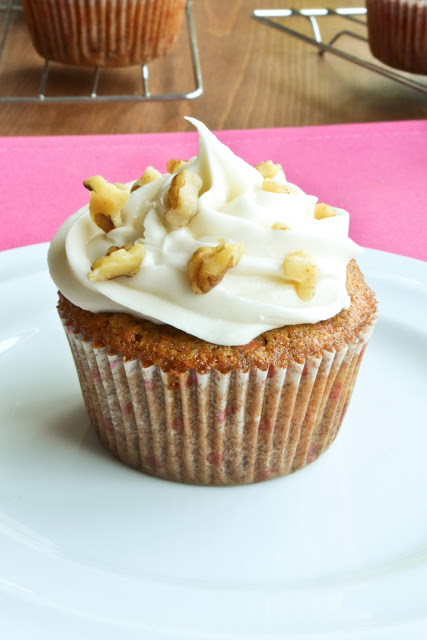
x: 376, y: 171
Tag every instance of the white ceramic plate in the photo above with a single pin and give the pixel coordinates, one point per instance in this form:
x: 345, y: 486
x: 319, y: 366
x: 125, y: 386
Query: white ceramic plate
x: 92, y: 549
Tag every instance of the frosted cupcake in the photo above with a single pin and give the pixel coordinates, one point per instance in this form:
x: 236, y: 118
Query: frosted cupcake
x: 216, y: 317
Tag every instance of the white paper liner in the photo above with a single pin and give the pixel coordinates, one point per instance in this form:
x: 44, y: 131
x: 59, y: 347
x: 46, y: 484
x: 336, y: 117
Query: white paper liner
x: 213, y: 428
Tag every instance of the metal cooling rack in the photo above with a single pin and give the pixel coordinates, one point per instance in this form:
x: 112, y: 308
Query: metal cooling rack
x: 13, y: 6
x: 268, y: 16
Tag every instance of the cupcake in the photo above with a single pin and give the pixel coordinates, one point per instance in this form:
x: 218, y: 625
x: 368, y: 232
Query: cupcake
x: 397, y: 33
x: 103, y: 33
x: 216, y: 316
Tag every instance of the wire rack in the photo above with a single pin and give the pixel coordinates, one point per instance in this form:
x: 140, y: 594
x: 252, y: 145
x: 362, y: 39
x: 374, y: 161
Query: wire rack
x: 355, y: 15
x: 13, y: 7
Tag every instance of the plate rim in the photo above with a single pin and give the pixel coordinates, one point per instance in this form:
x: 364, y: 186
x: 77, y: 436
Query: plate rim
x: 411, y: 266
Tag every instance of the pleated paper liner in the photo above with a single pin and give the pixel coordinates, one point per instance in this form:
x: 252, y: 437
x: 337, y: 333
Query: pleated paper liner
x: 217, y: 429
x: 103, y: 33
x: 397, y: 31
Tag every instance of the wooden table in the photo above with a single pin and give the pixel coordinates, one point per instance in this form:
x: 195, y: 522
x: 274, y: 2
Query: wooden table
x: 254, y: 76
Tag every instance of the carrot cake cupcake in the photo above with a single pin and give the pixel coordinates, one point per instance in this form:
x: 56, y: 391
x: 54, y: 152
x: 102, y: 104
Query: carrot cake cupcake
x: 397, y: 33
x: 216, y: 316
x: 103, y: 33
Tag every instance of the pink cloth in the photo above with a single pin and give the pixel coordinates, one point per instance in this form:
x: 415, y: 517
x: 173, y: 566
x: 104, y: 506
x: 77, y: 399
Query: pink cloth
x: 376, y: 171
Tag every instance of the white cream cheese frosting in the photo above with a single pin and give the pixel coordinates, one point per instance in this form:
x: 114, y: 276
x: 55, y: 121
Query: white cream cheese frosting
x: 254, y: 296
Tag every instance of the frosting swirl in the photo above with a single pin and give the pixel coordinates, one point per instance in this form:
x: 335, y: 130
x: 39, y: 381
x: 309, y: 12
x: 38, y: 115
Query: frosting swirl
x: 254, y: 296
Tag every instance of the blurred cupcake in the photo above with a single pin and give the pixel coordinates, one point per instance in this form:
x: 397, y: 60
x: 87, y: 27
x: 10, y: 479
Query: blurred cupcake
x: 216, y: 317
x: 104, y: 33
x: 397, y: 33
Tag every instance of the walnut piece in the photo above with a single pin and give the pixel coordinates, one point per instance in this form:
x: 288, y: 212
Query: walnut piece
x: 268, y: 169
x: 149, y: 175
x: 275, y: 187
x: 322, y: 210
x: 279, y: 226
x: 113, y: 249
x: 174, y: 165
x: 106, y: 201
x: 208, y: 265
x: 302, y: 272
x: 183, y: 198
x: 123, y: 261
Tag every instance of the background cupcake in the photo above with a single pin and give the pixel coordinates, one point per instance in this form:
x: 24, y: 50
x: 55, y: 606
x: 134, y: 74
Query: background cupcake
x: 397, y: 33
x: 207, y: 359
x: 104, y: 33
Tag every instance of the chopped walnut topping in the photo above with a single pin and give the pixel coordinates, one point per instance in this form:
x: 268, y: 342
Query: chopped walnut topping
x: 173, y: 165
x: 183, y: 198
x: 275, y: 187
x: 123, y: 261
x: 279, y: 226
x: 322, y: 210
x: 106, y: 201
x: 149, y: 175
x: 268, y: 169
x: 300, y: 270
x: 112, y: 250
x: 208, y: 265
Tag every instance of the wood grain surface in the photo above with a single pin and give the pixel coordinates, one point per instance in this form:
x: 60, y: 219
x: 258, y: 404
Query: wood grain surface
x: 254, y: 76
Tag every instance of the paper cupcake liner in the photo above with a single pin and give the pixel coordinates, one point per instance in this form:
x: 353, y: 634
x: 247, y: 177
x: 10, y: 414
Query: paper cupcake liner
x: 104, y: 33
x: 213, y: 428
x: 397, y: 32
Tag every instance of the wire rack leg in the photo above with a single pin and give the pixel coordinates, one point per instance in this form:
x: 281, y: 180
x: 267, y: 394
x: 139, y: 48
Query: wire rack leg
x: 43, y: 81
x: 315, y: 27
x: 7, y: 22
x: 144, y: 71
